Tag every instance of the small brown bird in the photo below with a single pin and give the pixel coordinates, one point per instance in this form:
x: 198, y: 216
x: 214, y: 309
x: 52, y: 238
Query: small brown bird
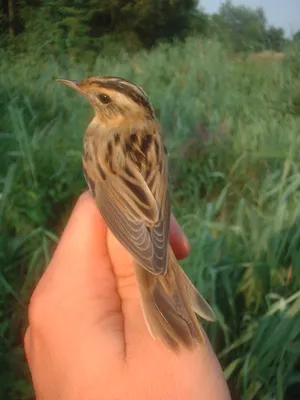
x: 125, y: 167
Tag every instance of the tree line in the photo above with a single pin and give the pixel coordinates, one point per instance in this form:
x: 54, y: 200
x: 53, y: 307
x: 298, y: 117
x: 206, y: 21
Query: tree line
x: 81, y: 24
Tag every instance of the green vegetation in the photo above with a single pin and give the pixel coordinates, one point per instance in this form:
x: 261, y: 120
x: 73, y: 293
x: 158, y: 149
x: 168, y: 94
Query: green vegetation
x: 91, y: 26
x: 232, y: 124
x: 232, y: 129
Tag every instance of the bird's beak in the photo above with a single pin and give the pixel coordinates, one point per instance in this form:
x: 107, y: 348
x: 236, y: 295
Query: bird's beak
x: 72, y: 84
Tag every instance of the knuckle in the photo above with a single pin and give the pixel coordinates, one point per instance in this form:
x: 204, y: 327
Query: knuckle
x: 83, y: 197
x: 37, y: 309
x: 27, y: 342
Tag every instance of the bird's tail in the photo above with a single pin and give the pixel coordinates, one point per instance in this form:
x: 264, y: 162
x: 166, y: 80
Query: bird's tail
x: 170, y: 304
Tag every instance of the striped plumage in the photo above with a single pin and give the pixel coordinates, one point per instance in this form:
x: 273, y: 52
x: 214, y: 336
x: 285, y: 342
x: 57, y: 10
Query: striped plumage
x: 125, y: 166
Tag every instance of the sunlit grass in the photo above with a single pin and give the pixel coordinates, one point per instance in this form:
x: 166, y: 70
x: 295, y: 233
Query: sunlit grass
x: 235, y: 189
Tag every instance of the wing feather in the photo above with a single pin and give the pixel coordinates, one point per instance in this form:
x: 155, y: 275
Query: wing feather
x: 135, y: 205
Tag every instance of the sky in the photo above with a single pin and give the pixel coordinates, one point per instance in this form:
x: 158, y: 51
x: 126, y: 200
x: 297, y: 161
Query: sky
x: 283, y: 13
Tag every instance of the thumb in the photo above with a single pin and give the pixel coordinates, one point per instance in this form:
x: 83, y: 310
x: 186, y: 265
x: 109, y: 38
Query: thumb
x: 79, y: 278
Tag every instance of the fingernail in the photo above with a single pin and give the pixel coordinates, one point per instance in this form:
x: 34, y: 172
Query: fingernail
x: 186, y: 242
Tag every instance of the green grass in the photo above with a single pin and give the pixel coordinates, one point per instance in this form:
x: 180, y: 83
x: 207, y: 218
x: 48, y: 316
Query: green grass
x: 236, y: 194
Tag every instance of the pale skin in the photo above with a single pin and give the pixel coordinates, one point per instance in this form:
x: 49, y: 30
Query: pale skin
x: 87, y: 338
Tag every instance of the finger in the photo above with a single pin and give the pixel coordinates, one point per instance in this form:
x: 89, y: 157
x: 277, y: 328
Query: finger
x: 80, y: 269
x: 178, y: 241
x: 27, y: 343
x: 84, y: 236
x: 134, y: 323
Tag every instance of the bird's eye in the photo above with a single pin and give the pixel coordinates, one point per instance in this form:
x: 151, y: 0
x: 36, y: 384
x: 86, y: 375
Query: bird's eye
x: 104, y: 98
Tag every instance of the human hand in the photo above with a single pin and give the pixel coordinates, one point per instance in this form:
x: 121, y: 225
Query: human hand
x: 87, y: 338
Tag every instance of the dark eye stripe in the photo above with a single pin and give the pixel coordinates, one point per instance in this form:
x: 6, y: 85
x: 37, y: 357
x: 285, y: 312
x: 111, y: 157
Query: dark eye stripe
x: 129, y: 90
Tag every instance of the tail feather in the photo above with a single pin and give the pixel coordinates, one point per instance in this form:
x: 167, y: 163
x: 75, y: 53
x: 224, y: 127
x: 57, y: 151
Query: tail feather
x: 199, y: 304
x: 169, y: 304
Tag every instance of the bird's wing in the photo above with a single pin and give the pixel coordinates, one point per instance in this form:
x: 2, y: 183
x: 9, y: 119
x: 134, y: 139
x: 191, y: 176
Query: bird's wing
x: 135, y: 204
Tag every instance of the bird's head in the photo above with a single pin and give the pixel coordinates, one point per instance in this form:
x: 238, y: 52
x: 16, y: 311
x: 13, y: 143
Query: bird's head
x: 113, y: 98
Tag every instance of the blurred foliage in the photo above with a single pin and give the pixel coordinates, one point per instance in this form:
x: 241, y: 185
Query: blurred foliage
x: 83, y: 29
x: 245, y: 29
x: 232, y: 130
x: 243, y: 22
x: 74, y: 26
x: 296, y: 35
x: 232, y: 125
